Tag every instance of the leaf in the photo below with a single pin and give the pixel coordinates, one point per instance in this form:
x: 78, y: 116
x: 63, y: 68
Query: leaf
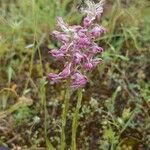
x: 124, y: 58
x: 22, y: 102
x: 49, y: 145
x: 126, y: 113
x: 110, y: 134
x: 10, y: 73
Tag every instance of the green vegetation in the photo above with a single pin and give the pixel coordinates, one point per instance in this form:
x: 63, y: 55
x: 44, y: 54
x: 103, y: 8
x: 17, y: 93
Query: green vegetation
x: 115, y: 111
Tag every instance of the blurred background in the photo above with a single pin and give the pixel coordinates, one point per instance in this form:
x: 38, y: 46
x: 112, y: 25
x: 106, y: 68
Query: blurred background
x: 115, y: 113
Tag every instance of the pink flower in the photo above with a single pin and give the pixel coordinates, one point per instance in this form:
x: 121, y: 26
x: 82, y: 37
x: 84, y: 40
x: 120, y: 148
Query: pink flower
x: 61, y: 36
x: 66, y: 72
x: 56, y: 54
x: 78, y: 57
x: 93, y: 11
x: 65, y: 48
x: 94, y: 49
x: 62, y: 75
x: 91, y: 63
x: 82, y: 42
x: 97, y: 31
x: 78, y: 49
x: 54, y: 77
x: 87, y: 22
x: 88, y: 66
x: 79, y: 80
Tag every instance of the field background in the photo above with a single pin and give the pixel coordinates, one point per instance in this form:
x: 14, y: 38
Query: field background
x: 115, y: 113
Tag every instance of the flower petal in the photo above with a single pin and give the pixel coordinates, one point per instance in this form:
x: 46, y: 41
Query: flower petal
x: 91, y: 63
x: 93, y: 11
x: 54, y: 77
x: 66, y: 72
x: 79, y: 80
x: 87, y: 22
x: 97, y: 31
x: 61, y: 36
x: 82, y: 43
x: 56, y: 54
x: 77, y: 57
x: 94, y: 49
x: 62, y: 24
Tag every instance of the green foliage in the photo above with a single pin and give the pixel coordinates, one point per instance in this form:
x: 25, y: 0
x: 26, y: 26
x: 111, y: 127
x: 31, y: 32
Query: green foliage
x: 115, y: 110
x: 49, y: 145
x: 23, y: 115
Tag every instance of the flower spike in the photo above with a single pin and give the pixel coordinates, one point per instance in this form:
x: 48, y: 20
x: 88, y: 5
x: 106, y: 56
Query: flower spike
x: 78, y: 49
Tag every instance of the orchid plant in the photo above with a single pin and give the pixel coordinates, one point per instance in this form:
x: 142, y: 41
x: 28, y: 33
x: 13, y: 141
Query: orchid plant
x: 78, y: 53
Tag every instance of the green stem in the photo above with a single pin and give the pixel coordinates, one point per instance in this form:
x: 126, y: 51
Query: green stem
x: 64, y: 118
x: 75, y: 120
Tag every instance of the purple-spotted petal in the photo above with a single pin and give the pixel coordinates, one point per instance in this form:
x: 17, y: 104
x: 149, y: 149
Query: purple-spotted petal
x: 56, y: 54
x: 54, y: 77
x: 61, y: 36
x: 79, y: 80
x: 91, y: 63
x: 88, y: 63
x: 66, y: 72
x: 83, y: 43
x: 65, y: 48
x: 88, y: 66
x: 97, y: 31
x: 96, y: 49
x: 77, y: 57
x: 87, y: 22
